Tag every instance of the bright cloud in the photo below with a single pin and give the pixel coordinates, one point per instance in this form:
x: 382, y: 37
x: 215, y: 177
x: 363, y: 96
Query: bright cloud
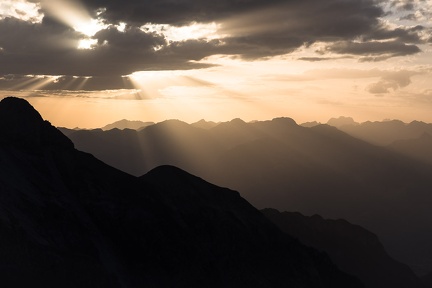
x: 194, y: 30
x: 21, y: 9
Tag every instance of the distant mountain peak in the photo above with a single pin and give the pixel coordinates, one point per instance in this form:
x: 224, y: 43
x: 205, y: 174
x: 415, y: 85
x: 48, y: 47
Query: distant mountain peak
x: 21, y: 124
x: 284, y: 120
x: 237, y: 121
x: 341, y: 121
x: 204, y: 124
x: 127, y: 124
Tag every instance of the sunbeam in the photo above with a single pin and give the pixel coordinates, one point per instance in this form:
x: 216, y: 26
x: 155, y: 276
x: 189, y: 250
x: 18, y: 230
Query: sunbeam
x: 42, y: 82
x: 74, y: 14
x: 82, y: 83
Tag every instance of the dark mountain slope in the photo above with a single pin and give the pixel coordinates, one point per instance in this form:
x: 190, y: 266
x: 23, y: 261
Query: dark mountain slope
x: 427, y: 280
x: 354, y: 249
x: 69, y: 220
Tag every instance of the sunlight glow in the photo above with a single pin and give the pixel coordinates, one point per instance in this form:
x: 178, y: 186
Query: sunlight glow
x: 192, y: 31
x: 121, y: 27
x: 87, y: 43
x: 75, y: 15
x: 151, y: 84
x: 35, y: 82
x: 89, y: 27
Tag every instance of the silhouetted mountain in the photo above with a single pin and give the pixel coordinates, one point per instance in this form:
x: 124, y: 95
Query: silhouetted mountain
x: 341, y: 121
x: 204, y: 124
x: 386, y: 132
x: 310, y: 124
x: 419, y: 148
x: 69, y: 220
x: 127, y: 124
x: 352, y: 248
x: 67, y: 131
x: 292, y: 168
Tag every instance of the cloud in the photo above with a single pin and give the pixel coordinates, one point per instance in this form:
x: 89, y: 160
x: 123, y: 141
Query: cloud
x: 317, y: 59
x: 249, y: 29
x: 21, y: 9
x: 392, y: 81
x: 404, y: 5
x: 387, y: 78
x: 373, y: 50
x: 50, y: 48
x: 383, y: 86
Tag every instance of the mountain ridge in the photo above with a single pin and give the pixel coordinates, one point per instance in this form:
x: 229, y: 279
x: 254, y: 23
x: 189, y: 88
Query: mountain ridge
x: 69, y: 220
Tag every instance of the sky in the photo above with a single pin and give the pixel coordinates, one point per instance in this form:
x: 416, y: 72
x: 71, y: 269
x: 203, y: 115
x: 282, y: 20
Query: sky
x: 87, y: 63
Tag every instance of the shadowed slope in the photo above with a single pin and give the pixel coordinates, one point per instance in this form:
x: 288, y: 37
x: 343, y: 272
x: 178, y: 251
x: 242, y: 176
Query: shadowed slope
x: 354, y: 249
x: 419, y: 148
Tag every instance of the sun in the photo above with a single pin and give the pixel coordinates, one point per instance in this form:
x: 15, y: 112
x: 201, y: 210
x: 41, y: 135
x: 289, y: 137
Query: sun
x: 89, y: 27
x: 87, y: 43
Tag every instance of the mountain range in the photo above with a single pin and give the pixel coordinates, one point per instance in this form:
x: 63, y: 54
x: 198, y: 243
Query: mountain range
x: 69, y: 220
x: 277, y: 163
x: 381, y: 133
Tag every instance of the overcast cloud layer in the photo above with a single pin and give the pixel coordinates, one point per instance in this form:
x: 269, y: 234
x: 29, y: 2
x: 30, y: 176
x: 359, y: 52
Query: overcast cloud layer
x: 37, y: 42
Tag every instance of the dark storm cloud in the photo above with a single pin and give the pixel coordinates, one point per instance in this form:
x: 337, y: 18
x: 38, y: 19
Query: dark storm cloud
x: 174, y: 12
x: 51, y: 49
x: 374, y: 49
x: 283, y: 26
x: 403, y: 35
x: 252, y: 29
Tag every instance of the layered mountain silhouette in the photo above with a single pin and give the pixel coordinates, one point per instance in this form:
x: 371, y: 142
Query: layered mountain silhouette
x: 354, y: 249
x: 204, y: 124
x: 69, y: 220
x: 342, y: 121
x: 319, y: 170
x: 381, y: 133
